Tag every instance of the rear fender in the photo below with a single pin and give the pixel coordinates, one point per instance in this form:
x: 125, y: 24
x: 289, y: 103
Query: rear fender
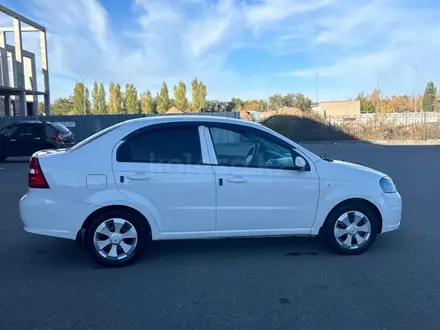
x: 112, y: 197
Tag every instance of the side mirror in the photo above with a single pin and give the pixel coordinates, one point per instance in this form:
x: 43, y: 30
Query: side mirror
x: 300, y: 163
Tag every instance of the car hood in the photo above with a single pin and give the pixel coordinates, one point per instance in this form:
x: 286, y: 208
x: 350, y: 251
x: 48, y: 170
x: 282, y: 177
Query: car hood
x: 344, y: 171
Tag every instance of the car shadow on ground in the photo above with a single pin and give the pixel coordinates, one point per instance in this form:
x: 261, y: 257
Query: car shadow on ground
x: 66, y: 254
x: 58, y: 253
x: 237, y: 246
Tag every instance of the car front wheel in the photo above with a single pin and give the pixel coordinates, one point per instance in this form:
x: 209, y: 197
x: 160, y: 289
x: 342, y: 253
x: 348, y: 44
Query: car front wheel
x: 115, y: 239
x: 351, y: 229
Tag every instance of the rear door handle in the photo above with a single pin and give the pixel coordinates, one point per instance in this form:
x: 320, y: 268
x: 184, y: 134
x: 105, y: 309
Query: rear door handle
x: 12, y: 140
x: 138, y: 177
x: 236, y: 180
x: 37, y: 138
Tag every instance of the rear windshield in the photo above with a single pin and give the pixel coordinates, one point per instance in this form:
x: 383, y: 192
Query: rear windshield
x: 60, y: 128
x: 94, y: 137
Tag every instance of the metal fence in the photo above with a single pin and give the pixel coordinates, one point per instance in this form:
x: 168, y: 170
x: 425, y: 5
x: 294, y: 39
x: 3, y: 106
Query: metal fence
x: 83, y: 126
x: 406, y: 118
x: 394, y: 126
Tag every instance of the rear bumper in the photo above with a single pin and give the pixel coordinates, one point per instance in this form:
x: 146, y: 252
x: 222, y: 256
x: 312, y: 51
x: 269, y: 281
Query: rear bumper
x: 43, y: 213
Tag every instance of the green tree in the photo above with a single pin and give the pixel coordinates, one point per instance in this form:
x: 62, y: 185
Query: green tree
x: 81, y: 102
x: 276, y: 102
x: 295, y: 100
x: 111, y: 101
x: 95, y: 98
x: 238, y: 103
x: 219, y: 106
x: 131, y: 101
x: 429, y: 97
x: 62, y: 106
x: 163, y: 100
x: 147, y: 103
x: 302, y: 102
x: 437, y: 102
x: 117, y: 105
x: 40, y: 108
x: 366, y: 105
x: 101, y: 99
x: 154, y: 104
x: 263, y: 105
x: 199, y: 93
x: 180, y: 100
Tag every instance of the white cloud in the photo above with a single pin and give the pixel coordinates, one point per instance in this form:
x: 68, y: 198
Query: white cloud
x: 276, y: 10
x: 382, y: 40
x: 351, y: 44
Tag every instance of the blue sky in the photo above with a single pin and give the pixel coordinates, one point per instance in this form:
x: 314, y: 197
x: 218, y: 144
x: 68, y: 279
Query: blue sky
x: 241, y: 48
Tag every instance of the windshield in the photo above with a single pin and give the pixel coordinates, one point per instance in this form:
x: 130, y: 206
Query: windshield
x: 94, y: 137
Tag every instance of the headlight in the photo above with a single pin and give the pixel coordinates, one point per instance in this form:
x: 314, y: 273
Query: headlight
x: 387, y: 185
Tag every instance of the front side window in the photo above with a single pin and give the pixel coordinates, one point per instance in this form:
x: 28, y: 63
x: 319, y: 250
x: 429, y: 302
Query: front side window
x: 172, y: 145
x: 250, y: 148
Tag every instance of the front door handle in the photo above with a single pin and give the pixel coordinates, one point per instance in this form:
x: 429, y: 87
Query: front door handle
x: 138, y: 177
x: 12, y: 140
x: 236, y: 180
x: 37, y: 138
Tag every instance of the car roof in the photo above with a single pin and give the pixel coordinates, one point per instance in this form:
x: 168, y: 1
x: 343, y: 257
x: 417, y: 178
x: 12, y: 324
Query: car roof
x: 188, y: 118
x: 29, y: 122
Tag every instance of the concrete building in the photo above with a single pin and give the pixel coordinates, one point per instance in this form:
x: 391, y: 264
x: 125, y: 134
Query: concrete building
x: 337, y: 108
x: 18, y: 77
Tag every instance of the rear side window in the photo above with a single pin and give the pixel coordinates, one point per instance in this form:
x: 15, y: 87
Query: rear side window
x: 94, y: 137
x: 60, y: 128
x: 8, y: 130
x: 30, y: 129
x: 49, y: 131
x: 178, y: 145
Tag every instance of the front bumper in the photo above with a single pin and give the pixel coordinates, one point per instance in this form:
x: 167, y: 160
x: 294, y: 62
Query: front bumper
x: 391, y: 209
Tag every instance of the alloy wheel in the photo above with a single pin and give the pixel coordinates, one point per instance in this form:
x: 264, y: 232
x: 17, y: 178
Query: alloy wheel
x: 115, y: 239
x: 352, y: 230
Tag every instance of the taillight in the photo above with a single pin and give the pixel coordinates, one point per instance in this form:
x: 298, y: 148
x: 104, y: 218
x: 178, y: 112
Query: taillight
x: 58, y: 137
x: 36, y: 177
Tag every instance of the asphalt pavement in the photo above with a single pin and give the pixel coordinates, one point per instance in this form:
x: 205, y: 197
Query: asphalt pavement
x: 264, y: 283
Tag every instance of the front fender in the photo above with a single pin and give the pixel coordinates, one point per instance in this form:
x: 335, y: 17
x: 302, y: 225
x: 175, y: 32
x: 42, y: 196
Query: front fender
x: 333, y: 192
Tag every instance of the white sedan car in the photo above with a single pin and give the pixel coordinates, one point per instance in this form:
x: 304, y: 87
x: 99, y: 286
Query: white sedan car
x: 189, y: 177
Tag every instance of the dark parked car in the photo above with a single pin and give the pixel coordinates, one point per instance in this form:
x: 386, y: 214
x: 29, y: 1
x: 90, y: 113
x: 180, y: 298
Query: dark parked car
x: 26, y: 137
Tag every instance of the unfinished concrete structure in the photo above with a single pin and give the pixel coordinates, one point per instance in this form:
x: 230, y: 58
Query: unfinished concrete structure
x: 18, y: 83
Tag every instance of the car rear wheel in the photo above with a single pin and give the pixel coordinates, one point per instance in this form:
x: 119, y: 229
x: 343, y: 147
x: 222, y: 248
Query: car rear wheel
x: 351, y: 229
x: 116, y: 239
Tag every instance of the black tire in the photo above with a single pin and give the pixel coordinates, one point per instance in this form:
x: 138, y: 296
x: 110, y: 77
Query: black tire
x: 2, y: 158
x: 329, y: 226
x: 143, y: 237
